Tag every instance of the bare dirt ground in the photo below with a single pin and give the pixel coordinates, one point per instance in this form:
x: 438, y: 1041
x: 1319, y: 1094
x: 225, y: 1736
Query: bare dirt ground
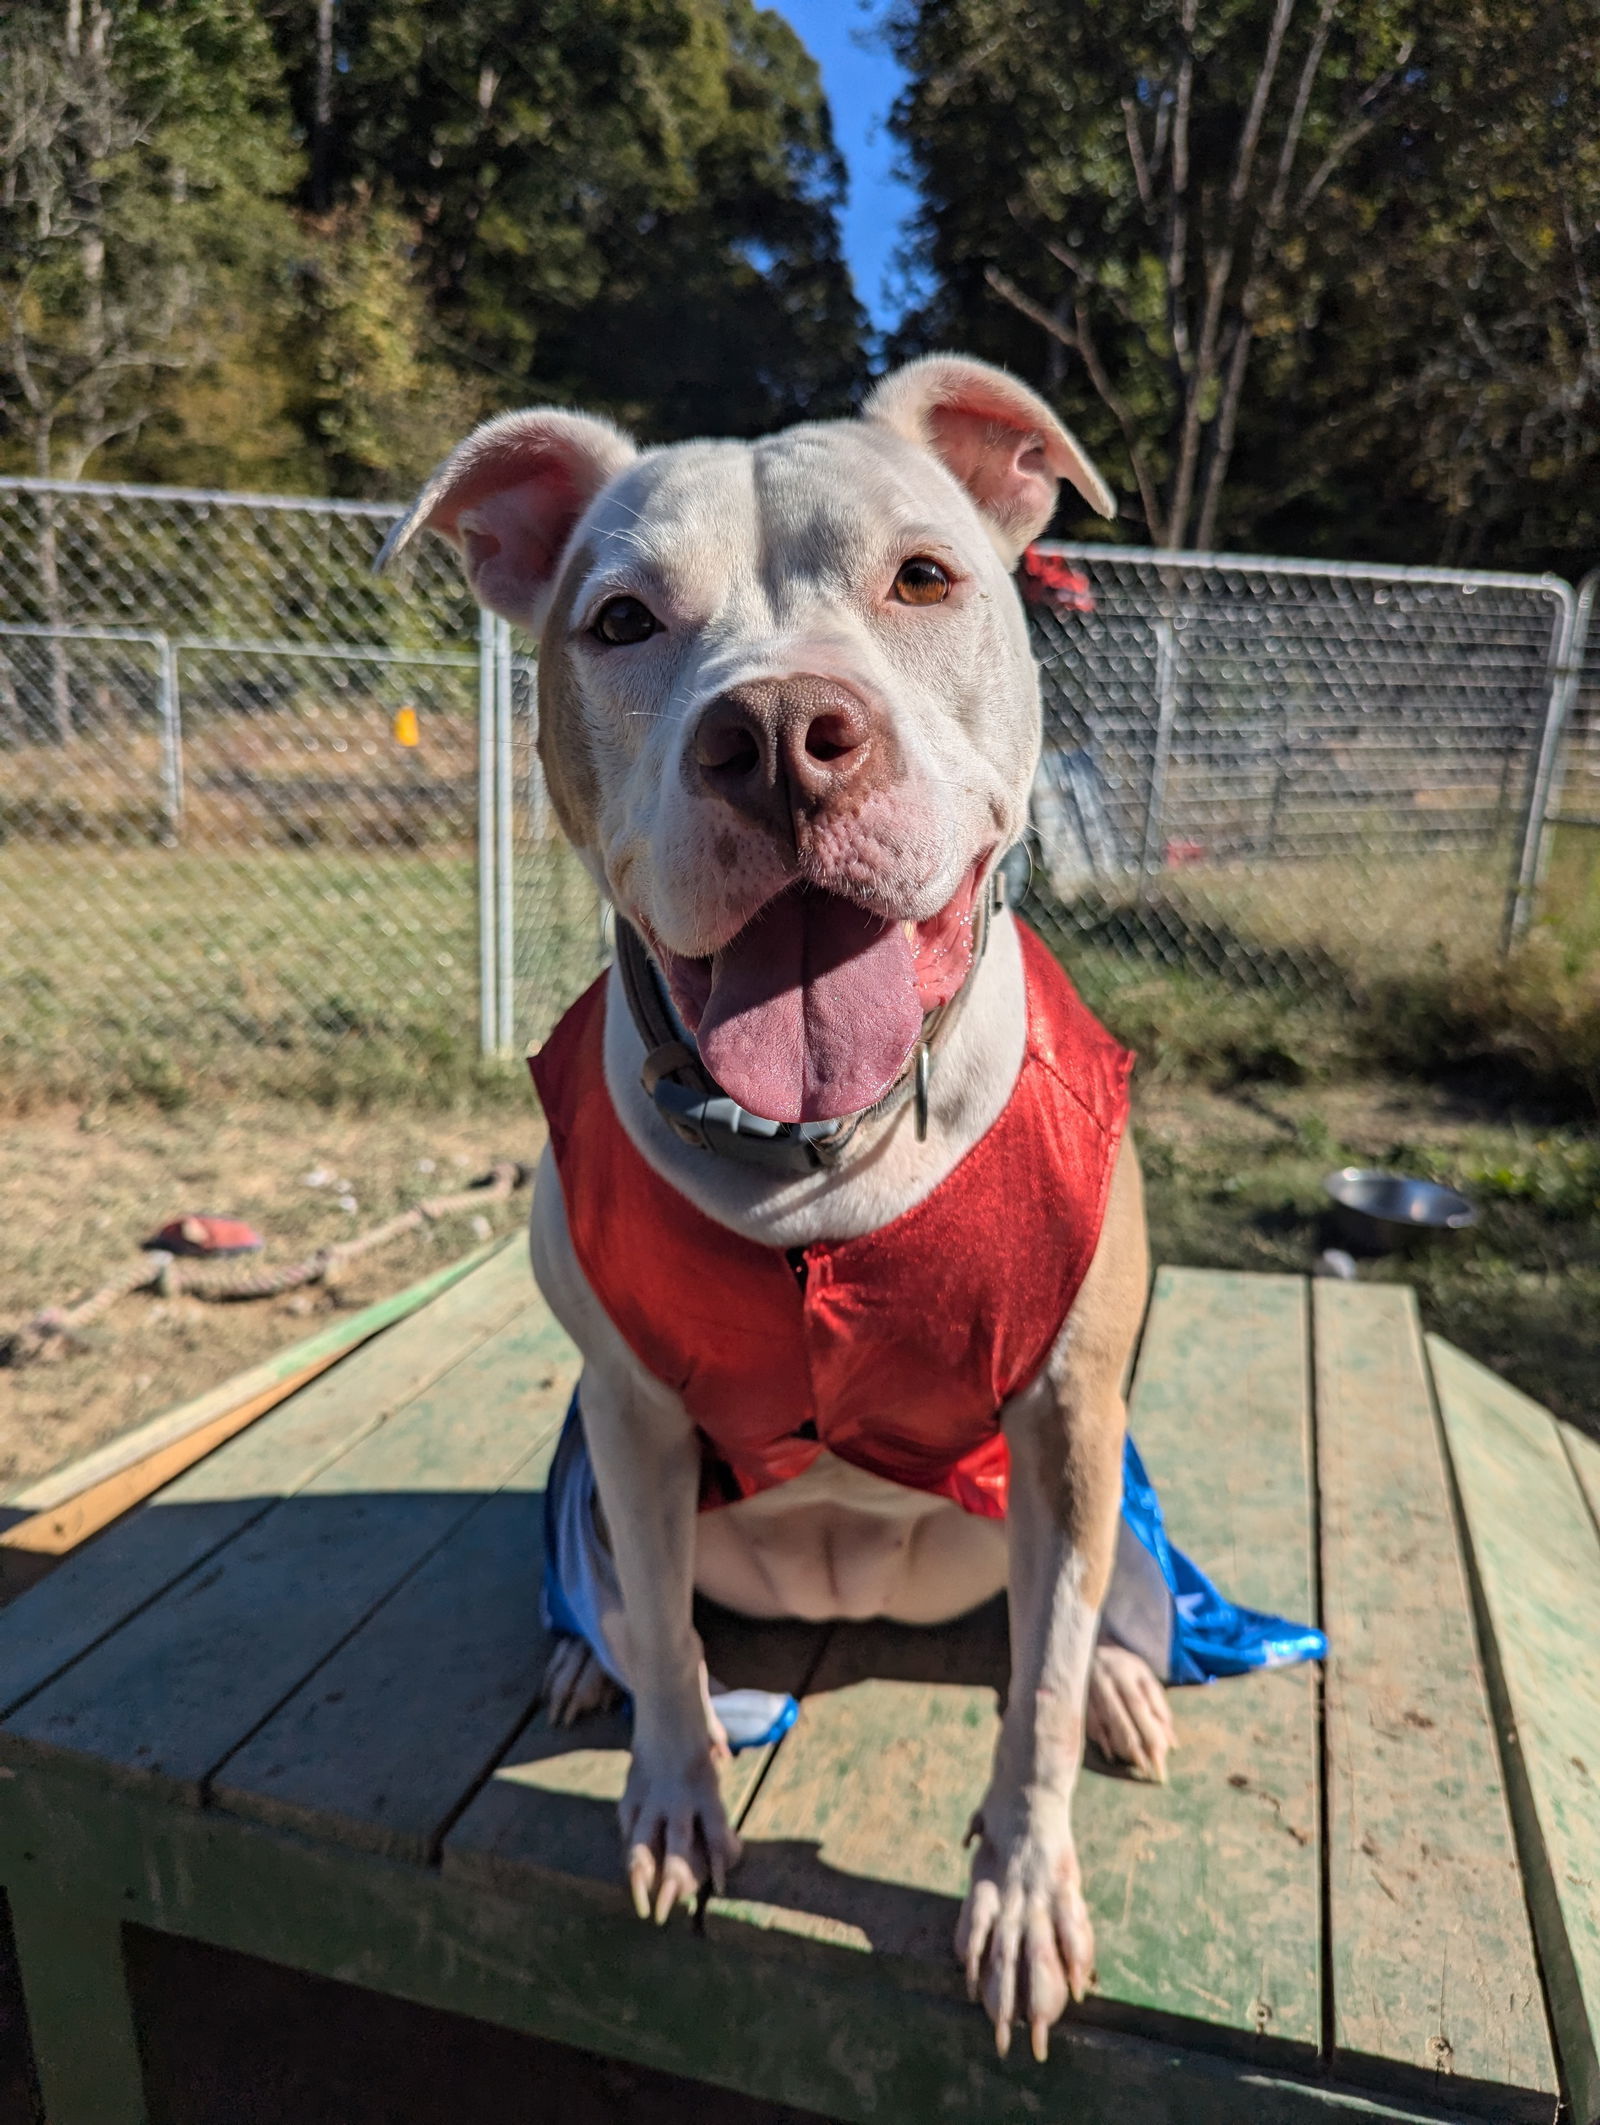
x: 1233, y: 1178
x: 79, y: 1191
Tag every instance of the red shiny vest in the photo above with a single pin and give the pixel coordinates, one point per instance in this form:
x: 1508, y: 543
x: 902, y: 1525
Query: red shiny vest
x: 895, y: 1350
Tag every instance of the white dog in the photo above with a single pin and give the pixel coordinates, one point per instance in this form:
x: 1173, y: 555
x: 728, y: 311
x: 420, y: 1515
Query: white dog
x: 789, y: 717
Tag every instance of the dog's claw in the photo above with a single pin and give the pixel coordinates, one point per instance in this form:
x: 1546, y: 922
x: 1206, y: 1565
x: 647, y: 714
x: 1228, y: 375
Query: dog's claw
x: 639, y: 1884
x: 677, y: 1838
x: 1025, y: 1940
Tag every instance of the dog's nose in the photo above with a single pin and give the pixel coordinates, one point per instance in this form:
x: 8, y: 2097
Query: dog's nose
x: 782, y: 750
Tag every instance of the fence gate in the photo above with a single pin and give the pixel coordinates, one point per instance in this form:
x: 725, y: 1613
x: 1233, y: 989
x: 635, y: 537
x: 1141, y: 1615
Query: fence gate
x: 258, y: 807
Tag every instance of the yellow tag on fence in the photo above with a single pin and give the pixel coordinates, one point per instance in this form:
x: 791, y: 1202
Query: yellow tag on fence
x: 407, y: 730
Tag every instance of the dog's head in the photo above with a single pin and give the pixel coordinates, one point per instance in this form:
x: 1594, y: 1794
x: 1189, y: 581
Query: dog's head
x: 787, y: 709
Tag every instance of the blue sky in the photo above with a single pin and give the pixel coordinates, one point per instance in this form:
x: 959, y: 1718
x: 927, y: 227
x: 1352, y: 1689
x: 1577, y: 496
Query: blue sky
x: 861, y: 81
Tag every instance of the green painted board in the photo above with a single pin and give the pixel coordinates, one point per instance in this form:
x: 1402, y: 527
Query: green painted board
x: 342, y: 1334
x: 1537, y: 1559
x: 178, y: 1688
x: 102, y: 1584
x: 783, y: 2020
x: 1435, y: 1983
x: 1204, y: 1892
x: 382, y: 1745
x: 1584, y: 1454
x: 550, y: 1808
x: 858, y: 1834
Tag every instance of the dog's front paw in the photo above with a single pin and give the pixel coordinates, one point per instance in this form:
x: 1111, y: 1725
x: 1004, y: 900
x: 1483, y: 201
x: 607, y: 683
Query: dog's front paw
x: 1128, y: 1717
x: 677, y: 1834
x: 1024, y: 1935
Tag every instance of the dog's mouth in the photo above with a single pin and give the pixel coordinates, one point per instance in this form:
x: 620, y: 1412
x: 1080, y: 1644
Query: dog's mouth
x: 811, y: 1012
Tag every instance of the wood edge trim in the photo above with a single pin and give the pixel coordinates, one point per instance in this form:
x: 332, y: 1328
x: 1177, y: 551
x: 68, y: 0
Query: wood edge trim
x: 1573, y: 2039
x: 48, y: 1492
x: 58, y: 1531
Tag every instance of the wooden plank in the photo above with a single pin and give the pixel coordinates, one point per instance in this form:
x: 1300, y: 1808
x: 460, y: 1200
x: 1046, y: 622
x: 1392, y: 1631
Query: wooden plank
x: 382, y: 1745
x: 34, y: 1546
x: 134, y: 1561
x: 550, y: 1809
x: 80, y: 2020
x: 1204, y: 1892
x: 1536, y: 1556
x: 1435, y: 1983
x: 858, y: 1835
x: 335, y: 1341
x: 173, y: 1692
x: 1584, y: 1454
x: 785, y: 2021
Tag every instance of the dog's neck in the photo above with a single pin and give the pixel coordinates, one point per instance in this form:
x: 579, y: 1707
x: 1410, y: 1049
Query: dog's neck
x: 885, y: 1170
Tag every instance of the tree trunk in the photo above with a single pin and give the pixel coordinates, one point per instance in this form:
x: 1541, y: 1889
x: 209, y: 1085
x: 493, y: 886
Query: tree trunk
x: 322, y: 113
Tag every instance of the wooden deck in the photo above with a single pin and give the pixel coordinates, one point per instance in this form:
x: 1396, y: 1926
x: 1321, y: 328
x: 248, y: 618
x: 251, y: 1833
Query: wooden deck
x: 285, y: 1709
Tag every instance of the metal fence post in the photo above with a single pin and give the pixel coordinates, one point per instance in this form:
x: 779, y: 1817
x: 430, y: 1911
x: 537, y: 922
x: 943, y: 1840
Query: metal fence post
x: 1566, y: 658
x: 1166, y: 717
x: 505, y: 878
x: 488, y: 841
x: 171, y: 739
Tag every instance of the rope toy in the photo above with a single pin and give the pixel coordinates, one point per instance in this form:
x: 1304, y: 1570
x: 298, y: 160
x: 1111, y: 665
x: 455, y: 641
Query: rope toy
x: 51, y: 1333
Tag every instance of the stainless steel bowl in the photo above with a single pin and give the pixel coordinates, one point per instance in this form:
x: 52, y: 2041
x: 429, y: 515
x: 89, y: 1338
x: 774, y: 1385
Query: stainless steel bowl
x: 1389, y: 1213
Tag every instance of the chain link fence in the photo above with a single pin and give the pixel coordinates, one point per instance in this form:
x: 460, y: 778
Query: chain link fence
x: 263, y: 817
x: 266, y: 819
x: 1290, y: 775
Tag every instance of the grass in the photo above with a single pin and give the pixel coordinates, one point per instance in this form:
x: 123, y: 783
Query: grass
x: 1389, y: 1031
x: 1315, y: 972
x: 175, y: 976
x: 1235, y: 1182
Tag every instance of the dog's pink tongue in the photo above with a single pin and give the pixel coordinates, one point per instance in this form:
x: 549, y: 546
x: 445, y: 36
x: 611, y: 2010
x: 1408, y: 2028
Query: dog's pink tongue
x: 813, y: 1009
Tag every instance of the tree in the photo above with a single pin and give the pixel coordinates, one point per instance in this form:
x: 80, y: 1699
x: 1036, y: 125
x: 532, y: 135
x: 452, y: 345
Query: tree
x: 140, y: 149
x: 1138, y: 183
x: 136, y: 150
x: 1316, y: 275
x: 1448, y: 402
x: 632, y: 205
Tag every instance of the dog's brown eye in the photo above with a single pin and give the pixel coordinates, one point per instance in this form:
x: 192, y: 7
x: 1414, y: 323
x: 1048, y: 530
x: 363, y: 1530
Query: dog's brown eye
x: 622, y: 620
x: 921, y: 582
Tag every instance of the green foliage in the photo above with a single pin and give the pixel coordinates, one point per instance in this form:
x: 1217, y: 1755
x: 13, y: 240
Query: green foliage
x: 1533, y: 1019
x: 234, y: 254
x: 374, y: 402
x: 1529, y: 1025
x: 1308, y: 276
x: 633, y: 206
x: 1558, y: 1174
x: 143, y: 149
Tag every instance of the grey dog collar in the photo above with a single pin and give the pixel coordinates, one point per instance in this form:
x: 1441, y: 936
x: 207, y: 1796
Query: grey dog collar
x: 698, y: 1111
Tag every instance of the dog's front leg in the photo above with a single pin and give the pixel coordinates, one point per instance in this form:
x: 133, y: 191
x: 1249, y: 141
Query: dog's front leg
x: 1025, y: 1936
x: 646, y: 1456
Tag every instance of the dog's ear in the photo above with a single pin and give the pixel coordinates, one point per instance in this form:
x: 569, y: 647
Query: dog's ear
x: 1000, y: 440
x: 509, y: 499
